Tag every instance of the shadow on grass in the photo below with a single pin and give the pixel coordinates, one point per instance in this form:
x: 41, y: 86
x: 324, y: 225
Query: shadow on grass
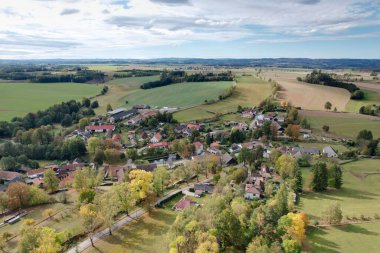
x: 354, y: 228
x: 320, y: 244
x: 342, y: 193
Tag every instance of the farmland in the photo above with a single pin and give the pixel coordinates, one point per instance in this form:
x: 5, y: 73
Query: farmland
x: 249, y: 91
x: 18, y: 99
x: 176, y: 95
x: 342, y: 124
x: 370, y: 97
x: 306, y: 96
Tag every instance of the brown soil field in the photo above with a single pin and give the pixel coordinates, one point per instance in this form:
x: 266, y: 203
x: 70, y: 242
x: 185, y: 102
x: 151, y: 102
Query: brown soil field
x: 307, y: 96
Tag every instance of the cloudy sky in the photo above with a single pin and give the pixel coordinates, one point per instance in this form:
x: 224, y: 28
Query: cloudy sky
x: 35, y: 29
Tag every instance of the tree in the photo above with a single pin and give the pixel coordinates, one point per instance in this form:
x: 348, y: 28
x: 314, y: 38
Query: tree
x: 8, y: 163
x: 51, y: 181
x: 291, y: 246
x: 320, y: 177
x: 94, y: 104
x: 228, y: 230
x: 325, y: 128
x: 160, y: 177
x: 109, y: 108
x: 18, y: 195
x: 67, y: 121
x: 365, y: 135
x: 141, y: 182
x: 93, y: 144
x: 333, y: 214
x: 337, y: 174
x: 48, y: 213
x: 126, y: 197
x: 39, y: 240
x: 99, y: 157
x: 3, y: 201
x: 87, y: 196
x: 109, y: 206
x: 90, y: 216
x: 293, y: 131
x: 298, y: 180
x: 285, y: 166
x: 244, y: 155
x: 83, y: 122
x: 132, y: 154
x: 112, y: 156
x: 328, y: 106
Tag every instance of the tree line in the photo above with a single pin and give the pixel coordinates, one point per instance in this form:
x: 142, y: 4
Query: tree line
x: 178, y: 76
x: 320, y: 78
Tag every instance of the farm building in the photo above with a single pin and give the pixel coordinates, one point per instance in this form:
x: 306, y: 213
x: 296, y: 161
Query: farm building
x: 100, y: 128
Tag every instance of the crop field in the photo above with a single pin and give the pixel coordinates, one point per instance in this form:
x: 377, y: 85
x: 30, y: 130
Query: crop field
x: 18, y: 99
x: 250, y: 91
x: 358, y: 196
x: 175, y: 95
x: 346, y: 125
x: 307, y: 96
x: 370, y: 97
x: 347, y: 238
x: 178, y: 95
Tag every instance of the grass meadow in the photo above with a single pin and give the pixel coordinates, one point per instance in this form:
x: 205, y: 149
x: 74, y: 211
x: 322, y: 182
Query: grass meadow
x: 370, y: 97
x: 348, y: 127
x: 18, y: 99
x: 359, y: 196
x: 250, y: 91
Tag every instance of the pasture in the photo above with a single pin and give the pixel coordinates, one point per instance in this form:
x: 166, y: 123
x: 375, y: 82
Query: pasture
x: 346, y: 125
x: 307, y: 96
x: 358, y: 196
x: 347, y: 238
x: 370, y: 97
x: 250, y: 91
x: 18, y: 99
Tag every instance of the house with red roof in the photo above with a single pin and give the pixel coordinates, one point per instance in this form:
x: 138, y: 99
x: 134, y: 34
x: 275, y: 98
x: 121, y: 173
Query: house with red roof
x: 162, y: 145
x: 36, y: 173
x: 194, y: 127
x: 100, y: 128
x: 198, y: 147
x: 156, y: 138
x: 184, y: 203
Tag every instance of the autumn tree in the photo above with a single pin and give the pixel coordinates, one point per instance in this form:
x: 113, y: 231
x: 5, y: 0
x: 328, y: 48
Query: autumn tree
x: 333, y: 214
x: 126, y: 197
x: 51, y: 181
x: 91, y: 220
x: 38, y: 240
x: 18, y: 194
x: 141, y: 182
x: 48, y: 213
x: 93, y: 144
x: 293, y: 131
x: 109, y: 206
x: 285, y: 166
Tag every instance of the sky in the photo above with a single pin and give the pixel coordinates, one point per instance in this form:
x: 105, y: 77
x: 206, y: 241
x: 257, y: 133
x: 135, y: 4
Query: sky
x: 145, y: 29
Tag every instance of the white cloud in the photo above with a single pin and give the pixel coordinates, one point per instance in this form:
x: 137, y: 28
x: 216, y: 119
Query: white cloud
x: 107, y: 29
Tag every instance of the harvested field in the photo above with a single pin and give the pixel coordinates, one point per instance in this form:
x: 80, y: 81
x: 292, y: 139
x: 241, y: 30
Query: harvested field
x: 307, y: 96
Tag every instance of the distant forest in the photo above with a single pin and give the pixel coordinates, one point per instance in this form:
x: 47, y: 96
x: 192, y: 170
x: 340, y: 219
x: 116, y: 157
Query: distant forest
x: 50, y: 74
x: 172, y: 77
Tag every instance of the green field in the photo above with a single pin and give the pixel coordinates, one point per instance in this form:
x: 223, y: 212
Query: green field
x: 250, y: 92
x: 360, y: 194
x: 370, y: 98
x: 347, y: 238
x: 18, y: 99
x: 175, y: 95
x: 345, y: 127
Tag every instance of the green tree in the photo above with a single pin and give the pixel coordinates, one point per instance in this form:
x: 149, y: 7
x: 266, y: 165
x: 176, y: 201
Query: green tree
x: 291, y: 246
x: 91, y: 221
x: 320, y: 177
x: 328, y: 106
x: 337, y: 176
x: 333, y: 214
x: 109, y: 206
x: 51, y: 181
x: 99, y: 157
x: 160, y: 178
x: 228, y: 230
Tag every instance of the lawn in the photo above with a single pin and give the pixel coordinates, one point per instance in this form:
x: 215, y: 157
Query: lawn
x: 345, y: 127
x: 147, y: 234
x: 347, y: 238
x: 250, y: 92
x: 370, y: 97
x: 18, y: 99
x: 360, y: 194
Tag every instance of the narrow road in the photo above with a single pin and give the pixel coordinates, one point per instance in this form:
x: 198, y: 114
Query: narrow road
x: 120, y: 223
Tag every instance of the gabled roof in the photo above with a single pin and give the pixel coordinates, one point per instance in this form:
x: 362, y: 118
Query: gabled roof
x: 198, y: 145
x: 100, y: 127
x: 147, y: 167
x: 183, y: 203
x: 250, y: 188
x: 35, y: 172
x: 9, y: 175
x: 159, y: 145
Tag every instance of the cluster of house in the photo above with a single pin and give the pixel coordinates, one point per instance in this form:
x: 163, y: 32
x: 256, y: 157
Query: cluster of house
x: 35, y: 177
x: 255, y: 183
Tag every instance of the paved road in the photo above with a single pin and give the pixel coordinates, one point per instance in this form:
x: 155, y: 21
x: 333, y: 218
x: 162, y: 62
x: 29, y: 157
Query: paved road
x: 119, y: 224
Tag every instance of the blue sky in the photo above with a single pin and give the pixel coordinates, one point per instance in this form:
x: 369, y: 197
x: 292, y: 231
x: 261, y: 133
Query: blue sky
x: 40, y: 29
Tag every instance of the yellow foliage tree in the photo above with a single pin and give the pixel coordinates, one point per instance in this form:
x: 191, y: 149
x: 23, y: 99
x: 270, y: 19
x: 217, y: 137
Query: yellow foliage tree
x: 285, y: 166
x: 141, y: 182
x: 297, y: 229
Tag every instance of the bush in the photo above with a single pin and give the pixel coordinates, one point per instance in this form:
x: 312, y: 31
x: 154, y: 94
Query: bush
x: 357, y: 95
x: 87, y: 196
